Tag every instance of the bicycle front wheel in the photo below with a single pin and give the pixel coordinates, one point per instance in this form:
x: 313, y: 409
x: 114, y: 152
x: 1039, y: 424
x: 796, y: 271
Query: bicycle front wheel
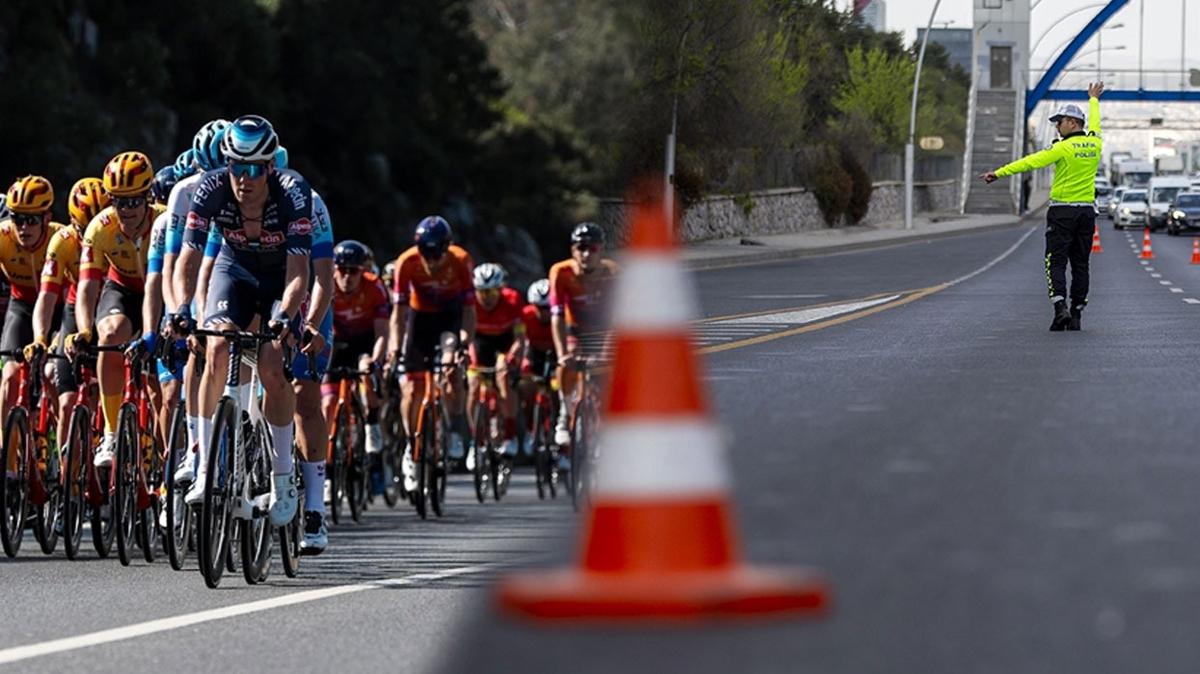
x: 255, y: 541
x: 223, y: 485
x: 74, y: 480
x: 125, y: 483
x: 179, y: 516
x: 14, y: 491
x: 335, y: 468
x: 48, y: 523
x: 356, y: 461
x: 481, y: 473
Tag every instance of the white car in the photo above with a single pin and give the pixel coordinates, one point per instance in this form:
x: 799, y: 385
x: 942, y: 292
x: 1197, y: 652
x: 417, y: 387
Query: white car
x: 1103, y: 196
x: 1113, y: 200
x: 1131, y: 212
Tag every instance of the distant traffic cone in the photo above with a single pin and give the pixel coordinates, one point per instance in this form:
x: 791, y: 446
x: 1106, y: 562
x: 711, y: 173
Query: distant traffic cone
x: 1147, y: 253
x: 1096, y: 247
x: 658, y: 540
x: 1195, y: 251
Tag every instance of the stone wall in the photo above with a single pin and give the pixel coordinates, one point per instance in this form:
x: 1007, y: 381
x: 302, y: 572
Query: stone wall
x: 783, y: 211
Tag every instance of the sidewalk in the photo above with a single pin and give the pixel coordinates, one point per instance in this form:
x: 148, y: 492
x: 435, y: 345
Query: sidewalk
x: 749, y: 250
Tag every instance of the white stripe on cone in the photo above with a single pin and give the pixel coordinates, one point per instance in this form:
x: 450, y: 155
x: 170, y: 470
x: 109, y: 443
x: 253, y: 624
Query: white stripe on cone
x: 669, y: 456
x: 652, y: 293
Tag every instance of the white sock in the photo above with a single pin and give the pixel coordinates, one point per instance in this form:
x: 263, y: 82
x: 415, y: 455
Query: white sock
x: 110, y: 441
x: 282, y: 437
x: 193, y: 432
x: 314, y: 485
x: 204, y: 437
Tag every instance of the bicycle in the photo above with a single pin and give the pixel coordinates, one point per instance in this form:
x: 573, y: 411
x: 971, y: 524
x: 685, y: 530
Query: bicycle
x: 391, y: 423
x: 543, y: 418
x: 138, y: 475
x: 239, y: 471
x: 584, y: 419
x: 429, y: 439
x: 492, y: 468
x: 35, y: 457
x: 347, y: 469
x: 86, y: 489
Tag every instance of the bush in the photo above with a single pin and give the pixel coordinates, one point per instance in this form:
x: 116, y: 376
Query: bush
x: 831, y: 185
x: 859, y: 201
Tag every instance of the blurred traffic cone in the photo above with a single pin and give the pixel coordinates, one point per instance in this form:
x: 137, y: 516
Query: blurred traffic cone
x: 658, y: 539
x: 1195, y: 251
x: 1147, y: 253
x: 1096, y: 248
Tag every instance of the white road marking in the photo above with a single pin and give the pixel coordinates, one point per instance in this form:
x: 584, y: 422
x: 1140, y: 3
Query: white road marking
x: 1156, y: 276
x: 18, y: 653
x: 1148, y: 268
x: 1191, y: 300
x: 807, y: 315
x: 784, y: 297
x: 1165, y: 283
x: 1175, y: 290
x: 995, y: 261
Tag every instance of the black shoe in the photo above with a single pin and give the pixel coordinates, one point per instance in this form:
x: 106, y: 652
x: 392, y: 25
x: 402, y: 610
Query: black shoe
x: 1076, y: 316
x: 1061, y: 317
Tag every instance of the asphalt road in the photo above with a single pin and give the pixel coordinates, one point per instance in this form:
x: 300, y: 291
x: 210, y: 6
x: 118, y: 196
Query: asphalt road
x: 983, y: 496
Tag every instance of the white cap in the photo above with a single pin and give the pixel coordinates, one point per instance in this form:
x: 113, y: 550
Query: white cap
x: 1068, y: 110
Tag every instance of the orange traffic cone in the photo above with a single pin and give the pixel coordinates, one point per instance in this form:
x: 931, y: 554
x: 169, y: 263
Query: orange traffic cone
x: 658, y: 540
x: 1147, y: 253
x: 1096, y: 248
x: 1195, y: 251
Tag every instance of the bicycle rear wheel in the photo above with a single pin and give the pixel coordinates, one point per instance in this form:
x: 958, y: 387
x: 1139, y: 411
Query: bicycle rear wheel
x: 125, y: 493
x: 149, y: 493
x: 393, y: 437
x: 179, y: 515
x: 424, y: 447
x: 48, y: 523
x: 541, y: 457
x: 14, y: 492
x: 580, y: 448
x: 292, y: 533
x: 356, y: 462
x: 223, y: 482
x: 74, y: 480
x: 433, y: 464
x: 255, y: 540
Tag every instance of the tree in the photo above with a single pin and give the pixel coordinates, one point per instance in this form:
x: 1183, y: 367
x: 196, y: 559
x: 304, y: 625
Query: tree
x: 878, y: 87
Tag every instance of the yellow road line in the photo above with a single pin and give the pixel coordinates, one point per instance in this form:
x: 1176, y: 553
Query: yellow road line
x: 836, y: 320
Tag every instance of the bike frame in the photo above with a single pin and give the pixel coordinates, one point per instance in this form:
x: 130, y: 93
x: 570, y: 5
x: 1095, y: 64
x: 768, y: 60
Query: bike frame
x: 27, y: 398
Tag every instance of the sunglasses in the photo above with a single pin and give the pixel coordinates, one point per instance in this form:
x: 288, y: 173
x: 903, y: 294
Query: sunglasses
x: 247, y: 170
x: 586, y: 247
x: 127, y: 203
x: 26, y: 219
x: 349, y: 270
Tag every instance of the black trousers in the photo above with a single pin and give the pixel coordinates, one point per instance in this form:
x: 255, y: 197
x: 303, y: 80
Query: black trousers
x: 1069, y: 231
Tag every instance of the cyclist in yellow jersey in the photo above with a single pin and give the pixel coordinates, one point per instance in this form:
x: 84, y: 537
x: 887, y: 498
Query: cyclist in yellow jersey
x: 61, y: 271
x: 23, y: 241
x: 112, y: 269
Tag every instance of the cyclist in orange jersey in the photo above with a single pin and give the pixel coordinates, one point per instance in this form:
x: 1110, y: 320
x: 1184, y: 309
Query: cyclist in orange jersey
x: 61, y: 269
x: 432, y: 293
x: 24, y: 238
x: 577, y: 290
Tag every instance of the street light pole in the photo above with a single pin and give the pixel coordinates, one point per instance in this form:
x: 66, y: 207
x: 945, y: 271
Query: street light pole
x: 912, y: 124
x: 669, y: 188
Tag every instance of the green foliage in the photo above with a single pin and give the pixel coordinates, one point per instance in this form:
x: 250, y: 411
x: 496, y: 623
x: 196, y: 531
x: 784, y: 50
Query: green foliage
x: 878, y: 87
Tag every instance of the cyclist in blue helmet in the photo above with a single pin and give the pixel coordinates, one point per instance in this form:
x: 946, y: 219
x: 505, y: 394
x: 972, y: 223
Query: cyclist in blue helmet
x: 185, y: 164
x: 160, y: 188
x: 207, y: 144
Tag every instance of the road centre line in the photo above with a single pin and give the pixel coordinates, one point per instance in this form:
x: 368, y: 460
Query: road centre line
x: 1165, y: 283
x: 1191, y: 300
x: 19, y: 653
x: 1155, y: 275
x: 1175, y: 290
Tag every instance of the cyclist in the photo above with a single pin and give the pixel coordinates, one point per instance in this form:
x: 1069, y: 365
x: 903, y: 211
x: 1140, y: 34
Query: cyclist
x: 170, y: 365
x: 24, y: 238
x: 539, y: 345
x: 112, y: 267
x: 261, y: 275
x: 577, y: 289
x: 204, y: 155
x: 317, y: 345
x: 360, y: 325
x: 499, y: 341
x: 86, y: 200
x: 432, y: 293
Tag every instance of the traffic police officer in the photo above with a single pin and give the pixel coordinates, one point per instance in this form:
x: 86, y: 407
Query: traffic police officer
x: 1071, y: 218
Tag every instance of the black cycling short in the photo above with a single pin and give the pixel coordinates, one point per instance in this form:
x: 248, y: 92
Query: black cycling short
x: 347, y: 352
x: 64, y: 374
x: 539, y: 363
x: 235, y: 296
x: 421, y: 337
x: 116, y: 299
x: 487, y: 349
x: 18, y: 326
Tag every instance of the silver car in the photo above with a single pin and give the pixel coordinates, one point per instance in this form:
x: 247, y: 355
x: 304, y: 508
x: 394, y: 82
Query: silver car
x: 1131, y: 211
x: 1114, y: 200
x: 1103, y: 196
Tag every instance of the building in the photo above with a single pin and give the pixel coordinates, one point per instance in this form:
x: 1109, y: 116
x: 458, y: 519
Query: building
x: 956, y: 41
x: 872, y: 13
x: 1002, y: 44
